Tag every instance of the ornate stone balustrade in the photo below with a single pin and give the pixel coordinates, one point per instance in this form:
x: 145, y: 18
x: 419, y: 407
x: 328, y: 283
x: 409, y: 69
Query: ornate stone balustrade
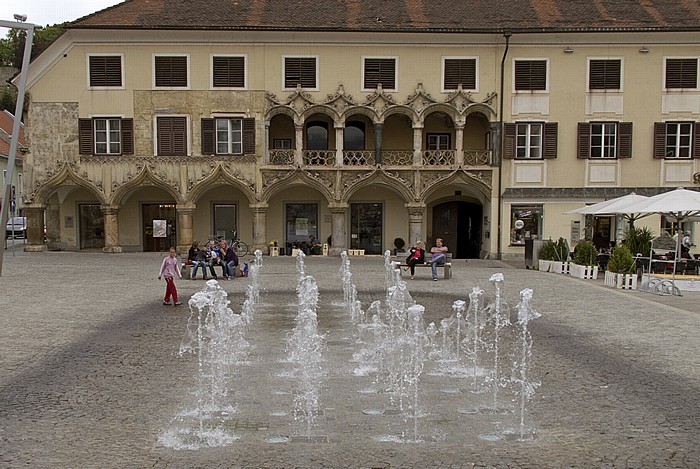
x: 319, y: 157
x: 397, y: 157
x: 359, y: 158
x: 282, y: 157
x: 439, y: 157
x: 477, y: 157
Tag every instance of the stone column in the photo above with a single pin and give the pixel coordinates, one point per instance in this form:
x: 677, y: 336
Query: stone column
x: 111, y: 224
x: 339, y: 144
x: 415, y: 223
x: 185, y: 224
x: 266, y: 143
x: 259, y: 226
x: 35, y: 228
x: 417, y: 145
x: 459, y: 144
x: 52, y: 218
x: 378, y: 143
x: 338, y: 228
x: 299, y: 147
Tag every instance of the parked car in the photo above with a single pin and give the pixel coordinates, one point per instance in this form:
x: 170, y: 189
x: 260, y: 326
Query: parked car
x: 16, y: 226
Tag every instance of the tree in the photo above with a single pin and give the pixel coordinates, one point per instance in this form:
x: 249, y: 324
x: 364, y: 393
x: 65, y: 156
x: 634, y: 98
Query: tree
x: 12, y: 47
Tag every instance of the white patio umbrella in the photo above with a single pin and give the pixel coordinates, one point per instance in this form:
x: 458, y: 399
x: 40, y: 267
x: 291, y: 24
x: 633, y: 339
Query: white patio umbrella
x: 679, y: 204
x: 616, y: 206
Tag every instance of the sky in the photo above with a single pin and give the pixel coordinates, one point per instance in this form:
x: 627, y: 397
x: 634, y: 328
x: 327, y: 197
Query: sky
x: 48, y: 12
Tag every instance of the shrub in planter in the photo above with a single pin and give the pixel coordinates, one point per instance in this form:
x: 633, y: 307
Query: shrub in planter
x: 621, y: 261
x: 585, y: 253
x: 638, y: 240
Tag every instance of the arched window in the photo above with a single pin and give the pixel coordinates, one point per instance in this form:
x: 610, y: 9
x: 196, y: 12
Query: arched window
x: 317, y: 136
x: 354, y: 137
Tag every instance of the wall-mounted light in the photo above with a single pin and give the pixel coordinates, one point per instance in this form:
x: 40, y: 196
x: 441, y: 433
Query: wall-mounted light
x: 21, y: 18
x: 568, y: 50
x: 643, y: 50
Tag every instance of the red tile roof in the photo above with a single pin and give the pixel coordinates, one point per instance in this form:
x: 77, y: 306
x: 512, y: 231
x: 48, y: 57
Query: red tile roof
x: 403, y: 15
x: 6, y: 123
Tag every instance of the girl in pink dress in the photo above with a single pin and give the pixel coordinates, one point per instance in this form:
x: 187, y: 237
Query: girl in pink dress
x: 169, y: 269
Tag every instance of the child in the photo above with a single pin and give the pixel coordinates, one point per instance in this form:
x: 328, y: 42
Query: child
x: 170, y: 268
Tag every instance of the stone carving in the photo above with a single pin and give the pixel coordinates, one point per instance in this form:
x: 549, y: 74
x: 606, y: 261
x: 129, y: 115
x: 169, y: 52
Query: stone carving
x: 430, y: 178
x: 696, y: 178
x: 327, y: 178
x: 419, y: 100
x: 340, y: 101
x: 484, y: 177
x: 380, y: 100
x: 271, y: 177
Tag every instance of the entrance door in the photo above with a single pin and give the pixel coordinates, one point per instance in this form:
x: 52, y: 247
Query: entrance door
x: 92, y: 225
x: 459, y: 225
x: 225, y: 220
x: 165, y: 216
x: 366, y: 227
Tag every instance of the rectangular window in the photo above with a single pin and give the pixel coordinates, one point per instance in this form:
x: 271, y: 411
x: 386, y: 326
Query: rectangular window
x: 229, y: 136
x: 300, y: 71
x: 107, y: 136
x: 171, y: 136
x: 228, y: 72
x: 681, y: 73
x: 438, y: 142
x: 171, y: 71
x: 379, y: 71
x: 301, y: 221
x: 105, y: 71
x: 604, y: 140
x: 20, y: 183
x: 525, y: 223
x: 679, y: 139
x: 604, y: 74
x: 459, y: 71
x: 528, y: 140
x: 282, y: 143
x: 530, y: 75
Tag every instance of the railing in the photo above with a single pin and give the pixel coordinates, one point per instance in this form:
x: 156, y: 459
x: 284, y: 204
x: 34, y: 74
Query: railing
x: 282, y: 156
x: 439, y: 157
x: 319, y: 157
x: 477, y: 157
x: 397, y: 157
x: 358, y: 158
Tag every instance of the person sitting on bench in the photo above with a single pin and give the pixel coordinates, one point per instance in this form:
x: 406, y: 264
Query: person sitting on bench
x: 438, y: 257
x: 415, y: 256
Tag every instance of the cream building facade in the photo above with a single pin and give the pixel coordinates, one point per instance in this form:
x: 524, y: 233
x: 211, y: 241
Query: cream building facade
x: 296, y: 130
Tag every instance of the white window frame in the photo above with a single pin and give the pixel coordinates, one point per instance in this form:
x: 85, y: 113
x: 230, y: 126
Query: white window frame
x: 528, y: 136
x: 603, y: 146
x: 188, y: 132
x: 697, y: 79
x: 531, y: 59
x: 107, y: 132
x: 229, y: 142
x: 296, y: 56
x: 245, y: 72
x: 454, y: 57
x: 396, y: 73
x: 611, y: 90
x: 691, y: 124
x: 87, y: 70
x: 173, y: 54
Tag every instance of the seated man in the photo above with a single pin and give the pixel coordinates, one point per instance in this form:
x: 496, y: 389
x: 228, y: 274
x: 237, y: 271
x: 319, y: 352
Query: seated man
x: 230, y: 259
x: 439, y: 257
x: 213, y: 258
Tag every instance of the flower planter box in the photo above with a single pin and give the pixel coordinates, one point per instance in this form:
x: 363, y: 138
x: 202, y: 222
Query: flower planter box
x: 545, y: 266
x: 557, y: 267
x: 589, y: 272
x: 621, y: 281
x: 566, y: 268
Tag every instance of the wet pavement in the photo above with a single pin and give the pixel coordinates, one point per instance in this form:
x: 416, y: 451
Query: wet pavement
x: 91, y: 375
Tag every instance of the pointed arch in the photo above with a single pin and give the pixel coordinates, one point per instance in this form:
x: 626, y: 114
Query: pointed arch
x: 301, y: 177
x: 480, y: 186
x: 66, y: 176
x: 381, y: 178
x: 143, y: 179
x: 219, y: 176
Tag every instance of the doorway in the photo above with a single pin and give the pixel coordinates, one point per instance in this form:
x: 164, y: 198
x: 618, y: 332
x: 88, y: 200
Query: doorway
x: 225, y: 216
x: 92, y: 225
x: 366, y: 227
x: 459, y: 225
x: 159, y: 227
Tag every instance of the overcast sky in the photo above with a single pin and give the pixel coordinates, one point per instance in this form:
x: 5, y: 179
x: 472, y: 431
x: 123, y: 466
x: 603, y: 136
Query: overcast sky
x: 48, y: 12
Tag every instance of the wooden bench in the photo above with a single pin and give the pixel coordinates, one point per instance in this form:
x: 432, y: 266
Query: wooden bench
x: 445, y: 266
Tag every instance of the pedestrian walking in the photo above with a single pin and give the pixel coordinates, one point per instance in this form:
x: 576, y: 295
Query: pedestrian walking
x: 169, y: 269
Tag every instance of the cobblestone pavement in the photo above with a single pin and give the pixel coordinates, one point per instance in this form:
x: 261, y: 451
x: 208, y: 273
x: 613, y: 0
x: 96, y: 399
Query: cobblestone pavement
x: 90, y: 375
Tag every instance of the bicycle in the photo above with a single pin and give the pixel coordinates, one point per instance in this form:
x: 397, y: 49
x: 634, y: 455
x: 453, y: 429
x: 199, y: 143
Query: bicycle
x: 239, y: 246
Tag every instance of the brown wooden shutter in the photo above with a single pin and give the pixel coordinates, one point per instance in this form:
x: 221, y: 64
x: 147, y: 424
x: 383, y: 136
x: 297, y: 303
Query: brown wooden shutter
x: 696, y: 140
x: 127, y: 126
x: 172, y: 136
x: 300, y: 71
x: 380, y: 71
x: 208, y: 136
x: 249, y: 135
x: 508, y: 141
x: 460, y: 71
x: 550, y: 130
x: 659, y: 140
x: 531, y: 75
x: 681, y: 73
x: 584, y: 141
x: 604, y: 74
x: 624, y: 140
x: 229, y: 72
x: 85, y: 137
x: 106, y: 70
x: 171, y: 71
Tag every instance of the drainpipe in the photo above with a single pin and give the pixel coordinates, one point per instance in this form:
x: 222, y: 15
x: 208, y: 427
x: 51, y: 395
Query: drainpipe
x: 499, y: 254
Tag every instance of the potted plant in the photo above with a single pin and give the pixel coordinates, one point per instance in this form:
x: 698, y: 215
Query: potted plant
x: 620, y: 269
x: 638, y: 240
x: 555, y: 255
x: 399, y: 243
x: 584, y: 265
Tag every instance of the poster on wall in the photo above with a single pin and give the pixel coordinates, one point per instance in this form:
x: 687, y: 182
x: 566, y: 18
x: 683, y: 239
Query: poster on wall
x: 302, y: 227
x: 160, y: 228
